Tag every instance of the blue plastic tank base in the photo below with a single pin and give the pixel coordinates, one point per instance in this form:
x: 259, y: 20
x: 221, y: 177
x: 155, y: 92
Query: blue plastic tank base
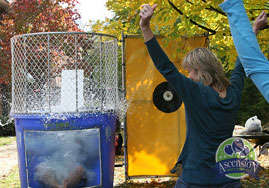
x: 71, y: 151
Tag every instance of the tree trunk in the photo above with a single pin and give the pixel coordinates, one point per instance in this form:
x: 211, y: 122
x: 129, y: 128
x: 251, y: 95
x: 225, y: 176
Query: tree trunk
x: 4, y: 5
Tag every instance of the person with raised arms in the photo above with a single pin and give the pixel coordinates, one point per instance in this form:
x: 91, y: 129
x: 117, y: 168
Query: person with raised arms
x: 211, y: 105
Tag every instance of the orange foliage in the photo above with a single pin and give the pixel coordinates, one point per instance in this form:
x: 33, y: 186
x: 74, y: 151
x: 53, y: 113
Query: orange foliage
x: 28, y: 16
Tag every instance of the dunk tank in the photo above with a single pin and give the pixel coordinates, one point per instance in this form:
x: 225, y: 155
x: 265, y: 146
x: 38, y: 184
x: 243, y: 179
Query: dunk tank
x: 64, y: 100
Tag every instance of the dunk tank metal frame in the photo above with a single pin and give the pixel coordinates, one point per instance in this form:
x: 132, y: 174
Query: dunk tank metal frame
x: 64, y: 99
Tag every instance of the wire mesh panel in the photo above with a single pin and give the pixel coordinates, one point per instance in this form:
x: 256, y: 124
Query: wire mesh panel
x: 64, y: 72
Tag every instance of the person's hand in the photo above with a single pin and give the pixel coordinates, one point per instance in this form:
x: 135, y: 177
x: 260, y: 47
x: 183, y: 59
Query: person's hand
x: 145, y: 15
x: 260, y: 23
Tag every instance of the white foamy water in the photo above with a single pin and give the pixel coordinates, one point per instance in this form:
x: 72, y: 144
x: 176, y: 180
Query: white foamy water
x: 64, y: 73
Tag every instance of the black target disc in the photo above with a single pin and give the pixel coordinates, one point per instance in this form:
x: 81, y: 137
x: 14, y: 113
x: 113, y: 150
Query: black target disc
x: 165, y: 98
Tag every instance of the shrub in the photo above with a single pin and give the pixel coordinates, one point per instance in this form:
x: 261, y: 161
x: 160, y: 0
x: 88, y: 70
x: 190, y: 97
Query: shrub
x: 253, y: 103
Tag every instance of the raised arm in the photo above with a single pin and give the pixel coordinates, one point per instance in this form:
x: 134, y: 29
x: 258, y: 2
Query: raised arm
x: 183, y: 85
x: 238, y: 74
x: 253, y: 60
x: 260, y: 23
x: 145, y: 16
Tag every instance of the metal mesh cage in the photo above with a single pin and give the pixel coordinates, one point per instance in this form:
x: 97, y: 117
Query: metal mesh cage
x: 64, y: 72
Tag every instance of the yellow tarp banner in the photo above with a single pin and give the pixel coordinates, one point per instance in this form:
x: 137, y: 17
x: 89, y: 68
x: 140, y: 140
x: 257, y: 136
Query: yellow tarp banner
x: 154, y: 138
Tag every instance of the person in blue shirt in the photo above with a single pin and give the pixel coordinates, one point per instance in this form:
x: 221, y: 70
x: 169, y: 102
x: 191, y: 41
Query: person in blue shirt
x: 211, y: 104
x: 256, y: 65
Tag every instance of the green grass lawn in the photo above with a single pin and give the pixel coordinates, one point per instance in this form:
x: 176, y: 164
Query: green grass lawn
x: 7, y: 140
x: 12, y: 180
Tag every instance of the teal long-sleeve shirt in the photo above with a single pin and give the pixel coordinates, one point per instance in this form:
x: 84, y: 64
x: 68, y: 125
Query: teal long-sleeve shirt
x: 209, y: 118
x: 253, y: 60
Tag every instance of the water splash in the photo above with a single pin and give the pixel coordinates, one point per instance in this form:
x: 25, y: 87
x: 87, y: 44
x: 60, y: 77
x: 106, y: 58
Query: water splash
x: 124, y: 104
x: 5, y: 120
x: 122, y: 107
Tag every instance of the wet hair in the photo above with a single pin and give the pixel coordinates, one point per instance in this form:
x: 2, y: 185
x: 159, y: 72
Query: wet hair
x: 209, y: 69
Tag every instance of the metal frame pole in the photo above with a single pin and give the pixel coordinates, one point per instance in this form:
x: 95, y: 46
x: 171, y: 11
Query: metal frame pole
x: 125, y: 119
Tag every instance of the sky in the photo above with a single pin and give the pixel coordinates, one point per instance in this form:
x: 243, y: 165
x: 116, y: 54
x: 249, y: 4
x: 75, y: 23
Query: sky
x: 92, y: 10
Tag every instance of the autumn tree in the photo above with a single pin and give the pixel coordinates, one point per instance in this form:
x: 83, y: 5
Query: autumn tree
x: 175, y: 18
x: 30, y: 16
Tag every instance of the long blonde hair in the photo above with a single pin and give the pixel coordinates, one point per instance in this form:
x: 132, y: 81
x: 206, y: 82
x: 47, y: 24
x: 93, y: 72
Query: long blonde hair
x: 209, y: 69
